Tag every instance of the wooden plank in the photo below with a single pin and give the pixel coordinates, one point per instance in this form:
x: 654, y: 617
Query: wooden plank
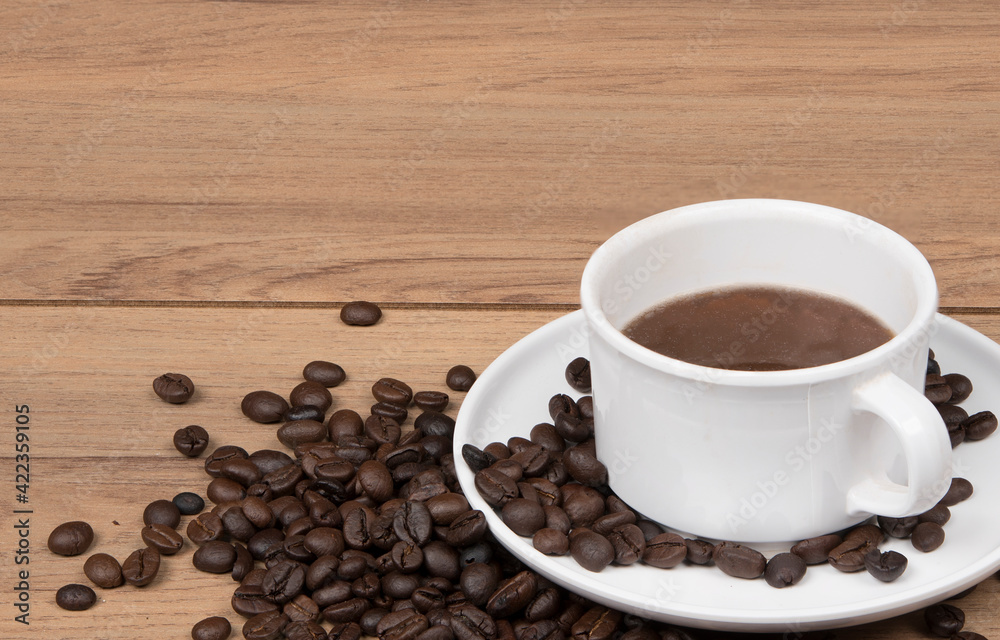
x: 466, y: 152
x: 101, y: 446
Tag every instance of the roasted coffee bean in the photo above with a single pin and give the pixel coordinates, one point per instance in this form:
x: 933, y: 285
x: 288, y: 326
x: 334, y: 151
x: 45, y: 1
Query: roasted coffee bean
x: 244, y: 563
x: 162, y: 538
x: 469, y: 622
x: 370, y: 619
x: 215, y: 556
x: 282, y: 481
x: 979, y: 425
x: 523, y: 517
x: 545, y: 605
x: 927, y: 536
x: 898, y: 527
x: 392, y: 391
x: 213, y: 628
x: 345, y: 422
x: 431, y: 400
x: 665, y: 550
x: 573, y: 428
x: 938, y: 514
x: 324, y: 541
x: 944, y: 620
x: 936, y: 389
x: 586, y: 407
x: 103, y: 570
x: 236, y: 524
x: 293, y: 434
x: 959, y: 491
x: 221, y: 490
x: 71, y: 538
x: 264, y: 406
x: 447, y: 507
x: 405, y: 624
x: 243, y: 471
x: 932, y: 366
x: 584, y: 467
x: 413, y: 523
x: 360, y: 313
x: 556, y: 518
x: 478, y: 582
x: 849, y: 556
x: 248, y: 600
x: 382, y: 430
x: 175, y: 388
x: 885, y: 566
x: 284, y: 581
x: 817, y: 550
x: 386, y: 410
x: 629, y: 544
x: 441, y: 560
x: 496, y: 488
x: 205, y: 528
x: 357, y: 528
x: 540, y: 490
x: 321, y: 572
x: 75, y: 597
x: 311, y: 393
x: 591, y: 551
x: 188, y: 503
x: 434, y: 423
x: 325, y: 373
x: 428, y: 598
x: 265, y: 626
x: 460, y: 378
x: 438, y: 632
x: 333, y: 592
x: 215, y: 460
x: 257, y: 512
x: 498, y: 450
x: 304, y: 412
x: 546, y: 436
x: 578, y: 374
x: 739, y: 561
x: 376, y: 480
x: 467, y: 529
x: 582, y: 504
x: 141, y: 566
x: 700, y: 551
x: 399, y: 585
x: 512, y: 595
x: 961, y: 387
x: 956, y: 433
x: 191, y: 440
x: 406, y: 556
x: 598, y: 623
x: 349, y: 631
x: 551, y: 542
x: 951, y: 414
x: 510, y: 468
x: 784, y: 570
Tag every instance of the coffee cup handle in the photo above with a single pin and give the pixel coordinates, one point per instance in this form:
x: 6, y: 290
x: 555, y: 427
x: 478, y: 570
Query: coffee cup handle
x: 926, y: 446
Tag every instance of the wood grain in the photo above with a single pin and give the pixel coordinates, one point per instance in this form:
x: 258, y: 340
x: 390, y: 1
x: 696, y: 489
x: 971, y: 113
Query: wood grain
x: 470, y: 152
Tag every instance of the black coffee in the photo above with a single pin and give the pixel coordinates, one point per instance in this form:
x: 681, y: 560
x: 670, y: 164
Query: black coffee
x: 758, y: 328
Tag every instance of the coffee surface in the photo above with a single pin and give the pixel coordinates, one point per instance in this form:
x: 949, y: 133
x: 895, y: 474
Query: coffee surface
x: 758, y: 328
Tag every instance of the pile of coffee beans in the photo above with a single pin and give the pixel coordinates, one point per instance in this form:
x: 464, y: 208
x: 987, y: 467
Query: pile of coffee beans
x: 552, y: 488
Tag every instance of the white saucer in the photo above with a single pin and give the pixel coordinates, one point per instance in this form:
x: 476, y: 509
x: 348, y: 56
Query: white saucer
x: 512, y: 395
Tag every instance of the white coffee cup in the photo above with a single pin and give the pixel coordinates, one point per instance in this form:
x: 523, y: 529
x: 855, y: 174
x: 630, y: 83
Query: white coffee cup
x: 765, y: 456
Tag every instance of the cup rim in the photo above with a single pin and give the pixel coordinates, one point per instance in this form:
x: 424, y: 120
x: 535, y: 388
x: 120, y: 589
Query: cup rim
x: 921, y: 323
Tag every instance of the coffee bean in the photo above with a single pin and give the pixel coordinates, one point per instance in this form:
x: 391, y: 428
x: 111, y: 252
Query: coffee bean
x: 951, y: 414
x: 392, y: 391
x: 551, y: 542
x: 598, y: 623
x: 71, y: 538
x: 141, y: 566
x: 103, y: 570
x: 591, y: 551
x: 932, y: 366
x: 938, y: 514
x: 885, y: 566
x: 700, y: 551
x: 399, y: 585
x: 849, y: 556
x: 784, y: 570
x: 523, y: 517
x: 265, y: 626
x: 191, y: 440
x: 188, y: 503
x: 76, y: 597
x: 898, y: 527
x: 264, y: 406
x: 573, y: 428
x: 629, y: 544
x: 413, y: 523
x: 244, y: 471
x: 293, y: 434
x: 431, y: 400
x: 584, y: 467
x: 944, y: 620
x: 956, y: 433
x: 961, y: 387
x: 345, y: 422
x: 205, y: 528
x: 237, y: 525
x: 665, y: 550
x: 301, y: 608
x: 979, y: 425
x: 214, y: 628
x: 936, y: 389
x: 582, y: 504
x: 284, y: 581
x: 469, y: 622
x: 325, y: 373
x: 310, y: 393
x: 467, y: 529
x: 546, y: 436
x: 478, y: 582
x: 248, y: 600
x: 218, y: 457
x: 382, y: 430
x: 447, y: 507
x: 175, y: 388
x: 405, y: 624
x: 244, y: 563
x: 496, y: 488
x: 434, y: 423
x: 222, y: 490
x: 927, y: 536
x: 512, y: 595
x: 349, y: 631
x: 214, y: 556
x: 959, y: 491
x: 578, y: 374
x: 360, y: 313
x: 739, y: 561
x: 304, y: 412
x: 387, y: 410
x: 460, y: 378
x: 162, y: 538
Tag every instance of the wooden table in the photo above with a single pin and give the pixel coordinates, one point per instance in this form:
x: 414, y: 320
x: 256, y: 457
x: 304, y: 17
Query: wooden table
x: 198, y: 187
